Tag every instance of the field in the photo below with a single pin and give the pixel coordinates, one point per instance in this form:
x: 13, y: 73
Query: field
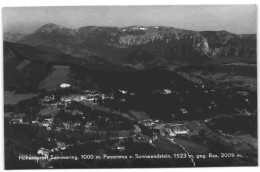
x: 57, y: 76
x: 12, y: 98
x: 49, y: 111
x: 192, y: 147
x: 139, y: 115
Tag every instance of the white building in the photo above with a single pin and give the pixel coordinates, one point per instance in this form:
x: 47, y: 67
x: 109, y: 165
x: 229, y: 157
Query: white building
x: 43, y: 152
x: 167, y: 91
x: 122, y: 91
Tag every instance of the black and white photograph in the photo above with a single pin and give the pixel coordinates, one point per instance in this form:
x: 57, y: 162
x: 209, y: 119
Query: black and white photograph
x: 129, y: 86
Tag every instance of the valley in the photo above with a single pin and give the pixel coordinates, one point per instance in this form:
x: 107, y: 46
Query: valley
x: 99, y: 97
x: 158, y: 110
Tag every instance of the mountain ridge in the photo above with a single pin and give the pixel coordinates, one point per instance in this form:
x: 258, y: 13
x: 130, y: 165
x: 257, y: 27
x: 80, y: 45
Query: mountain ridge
x: 145, y: 45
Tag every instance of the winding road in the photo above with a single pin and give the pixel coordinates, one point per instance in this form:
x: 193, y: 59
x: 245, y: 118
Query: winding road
x: 190, y: 156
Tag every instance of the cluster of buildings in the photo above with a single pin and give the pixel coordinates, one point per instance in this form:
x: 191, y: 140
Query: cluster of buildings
x: 74, y: 112
x: 88, y: 96
x: 118, y: 146
x: 184, y: 111
x: 67, y: 125
x: 45, y: 123
x: 45, y: 152
x: 167, y: 91
x: 174, y: 130
x: 141, y: 138
x: 126, y: 92
x: 18, y: 120
x: 163, y: 129
x: 243, y: 93
x: 48, y: 98
x: 48, y: 122
x: 77, y: 98
x: 71, y: 125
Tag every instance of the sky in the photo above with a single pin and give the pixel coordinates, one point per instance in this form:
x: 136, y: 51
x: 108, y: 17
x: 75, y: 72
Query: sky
x: 240, y: 19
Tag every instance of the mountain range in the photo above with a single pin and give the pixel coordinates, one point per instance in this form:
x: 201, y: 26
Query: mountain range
x: 136, y: 47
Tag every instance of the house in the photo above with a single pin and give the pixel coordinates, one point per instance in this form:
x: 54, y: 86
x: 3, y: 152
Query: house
x: 155, y: 136
x: 147, y: 122
x: 58, y: 128
x: 17, y: 120
x: 48, y: 98
x: 76, y: 124
x: 163, y: 132
x: 50, y: 120
x: 89, y: 123
x: 139, y: 139
x: 60, y: 144
x: 184, y: 111
x: 118, y: 146
x: 90, y: 99
x: 122, y: 91
x: 110, y: 96
x: 45, y: 124
x: 122, y: 100
x: 78, y: 98
x: 43, y: 151
x: 77, y: 112
x: 66, y: 99
x: 132, y: 94
x: 207, y: 120
x: 121, y: 148
x: 180, y: 130
x: 35, y: 122
x: 243, y: 93
x: 66, y: 125
x: 167, y: 91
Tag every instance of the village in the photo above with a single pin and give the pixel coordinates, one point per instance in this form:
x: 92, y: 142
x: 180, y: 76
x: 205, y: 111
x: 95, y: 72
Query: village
x: 93, y: 97
x: 156, y: 128
x: 75, y: 120
x: 99, y: 123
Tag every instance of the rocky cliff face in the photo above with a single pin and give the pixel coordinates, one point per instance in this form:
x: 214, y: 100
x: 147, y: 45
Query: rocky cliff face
x: 145, y: 46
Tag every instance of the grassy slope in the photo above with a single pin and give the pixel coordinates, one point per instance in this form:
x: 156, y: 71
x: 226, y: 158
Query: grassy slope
x: 57, y: 76
x: 12, y: 98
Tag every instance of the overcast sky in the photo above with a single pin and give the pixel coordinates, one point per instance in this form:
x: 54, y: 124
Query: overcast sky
x: 234, y: 18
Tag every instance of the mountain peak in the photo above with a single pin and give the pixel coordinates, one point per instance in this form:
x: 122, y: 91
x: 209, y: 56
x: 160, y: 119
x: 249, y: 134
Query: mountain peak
x: 49, y: 27
x: 144, y: 44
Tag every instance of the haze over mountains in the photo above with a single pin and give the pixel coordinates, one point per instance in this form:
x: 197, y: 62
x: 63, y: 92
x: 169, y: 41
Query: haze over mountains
x: 136, y: 47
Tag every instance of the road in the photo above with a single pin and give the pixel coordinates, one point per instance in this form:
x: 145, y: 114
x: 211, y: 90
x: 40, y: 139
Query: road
x: 189, y: 156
